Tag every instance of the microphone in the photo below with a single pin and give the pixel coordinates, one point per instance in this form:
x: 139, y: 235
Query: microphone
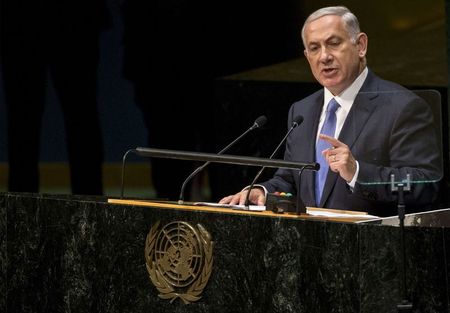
x: 259, y: 122
x: 297, y: 121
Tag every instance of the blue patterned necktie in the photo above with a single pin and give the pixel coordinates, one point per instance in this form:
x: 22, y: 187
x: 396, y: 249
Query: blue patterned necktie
x: 328, y: 128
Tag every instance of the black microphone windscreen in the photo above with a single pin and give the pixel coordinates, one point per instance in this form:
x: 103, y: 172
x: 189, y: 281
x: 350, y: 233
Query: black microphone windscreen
x: 261, y: 121
x: 297, y: 120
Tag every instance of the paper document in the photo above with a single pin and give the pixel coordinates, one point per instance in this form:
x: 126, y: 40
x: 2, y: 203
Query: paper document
x: 233, y: 206
x: 337, y: 214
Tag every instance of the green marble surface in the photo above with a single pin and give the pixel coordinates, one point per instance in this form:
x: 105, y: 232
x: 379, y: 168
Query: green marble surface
x: 75, y: 254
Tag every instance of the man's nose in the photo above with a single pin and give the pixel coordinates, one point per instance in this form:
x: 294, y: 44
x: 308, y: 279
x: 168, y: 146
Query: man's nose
x: 325, y: 55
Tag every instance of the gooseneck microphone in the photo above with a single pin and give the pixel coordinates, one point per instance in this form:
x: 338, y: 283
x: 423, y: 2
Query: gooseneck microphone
x: 259, y: 122
x: 297, y: 121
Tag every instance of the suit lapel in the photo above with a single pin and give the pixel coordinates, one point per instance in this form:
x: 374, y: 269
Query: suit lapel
x: 357, y: 117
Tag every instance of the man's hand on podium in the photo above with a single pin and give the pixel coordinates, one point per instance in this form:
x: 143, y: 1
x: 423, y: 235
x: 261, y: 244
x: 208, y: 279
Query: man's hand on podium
x: 257, y: 196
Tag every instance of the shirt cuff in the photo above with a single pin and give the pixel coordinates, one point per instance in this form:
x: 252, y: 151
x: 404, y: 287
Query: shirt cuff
x: 259, y: 186
x: 353, y: 181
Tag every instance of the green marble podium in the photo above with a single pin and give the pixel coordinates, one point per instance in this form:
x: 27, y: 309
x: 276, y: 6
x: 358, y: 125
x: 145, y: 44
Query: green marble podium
x: 81, y: 254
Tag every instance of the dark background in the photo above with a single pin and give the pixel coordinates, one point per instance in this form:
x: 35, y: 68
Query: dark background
x: 215, y: 66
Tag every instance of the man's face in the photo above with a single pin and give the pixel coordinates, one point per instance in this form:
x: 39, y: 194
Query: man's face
x: 334, y: 59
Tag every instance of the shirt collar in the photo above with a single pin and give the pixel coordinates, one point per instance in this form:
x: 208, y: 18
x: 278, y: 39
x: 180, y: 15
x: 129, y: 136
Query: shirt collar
x: 347, y: 97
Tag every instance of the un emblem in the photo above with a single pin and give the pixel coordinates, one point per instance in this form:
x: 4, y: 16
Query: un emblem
x: 179, y: 260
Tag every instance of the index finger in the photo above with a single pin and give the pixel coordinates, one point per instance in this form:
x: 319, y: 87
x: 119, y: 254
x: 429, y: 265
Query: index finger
x: 331, y: 140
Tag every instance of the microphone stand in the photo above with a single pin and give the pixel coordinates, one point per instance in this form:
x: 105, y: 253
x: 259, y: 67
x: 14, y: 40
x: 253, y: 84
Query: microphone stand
x: 201, y: 167
x: 260, y: 121
x: 297, y: 121
x: 405, y: 305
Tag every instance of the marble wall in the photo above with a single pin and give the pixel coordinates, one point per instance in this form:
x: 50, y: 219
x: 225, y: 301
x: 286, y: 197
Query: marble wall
x: 68, y: 254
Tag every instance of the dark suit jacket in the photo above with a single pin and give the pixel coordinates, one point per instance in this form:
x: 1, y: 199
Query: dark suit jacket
x: 389, y: 130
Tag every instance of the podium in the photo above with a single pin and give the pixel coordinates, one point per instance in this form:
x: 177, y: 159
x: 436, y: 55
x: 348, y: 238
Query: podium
x: 85, y: 254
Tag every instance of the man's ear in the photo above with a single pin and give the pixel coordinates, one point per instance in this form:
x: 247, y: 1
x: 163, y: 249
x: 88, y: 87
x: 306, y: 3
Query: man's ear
x: 362, y: 42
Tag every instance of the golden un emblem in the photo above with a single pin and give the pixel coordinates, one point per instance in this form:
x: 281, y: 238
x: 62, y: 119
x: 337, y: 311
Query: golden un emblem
x: 179, y: 260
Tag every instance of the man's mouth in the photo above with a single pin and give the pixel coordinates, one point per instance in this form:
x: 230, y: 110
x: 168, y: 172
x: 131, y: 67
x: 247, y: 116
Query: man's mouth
x: 329, y: 71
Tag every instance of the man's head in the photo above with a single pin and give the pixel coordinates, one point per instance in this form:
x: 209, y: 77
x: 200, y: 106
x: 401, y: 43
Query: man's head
x: 335, y: 47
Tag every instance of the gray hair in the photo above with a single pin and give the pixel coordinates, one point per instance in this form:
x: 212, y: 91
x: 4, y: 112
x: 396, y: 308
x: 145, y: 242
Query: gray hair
x: 350, y: 20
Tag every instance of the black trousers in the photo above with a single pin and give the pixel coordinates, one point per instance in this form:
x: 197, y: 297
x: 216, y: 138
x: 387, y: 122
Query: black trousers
x: 70, y: 58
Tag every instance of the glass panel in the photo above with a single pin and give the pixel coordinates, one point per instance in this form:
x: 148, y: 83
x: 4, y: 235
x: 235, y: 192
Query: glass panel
x: 435, y: 218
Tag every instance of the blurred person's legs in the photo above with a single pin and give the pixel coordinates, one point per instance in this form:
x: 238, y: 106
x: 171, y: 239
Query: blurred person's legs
x: 74, y: 71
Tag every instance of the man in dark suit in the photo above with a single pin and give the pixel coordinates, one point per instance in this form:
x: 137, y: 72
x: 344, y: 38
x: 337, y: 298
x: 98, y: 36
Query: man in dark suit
x: 381, y: 129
